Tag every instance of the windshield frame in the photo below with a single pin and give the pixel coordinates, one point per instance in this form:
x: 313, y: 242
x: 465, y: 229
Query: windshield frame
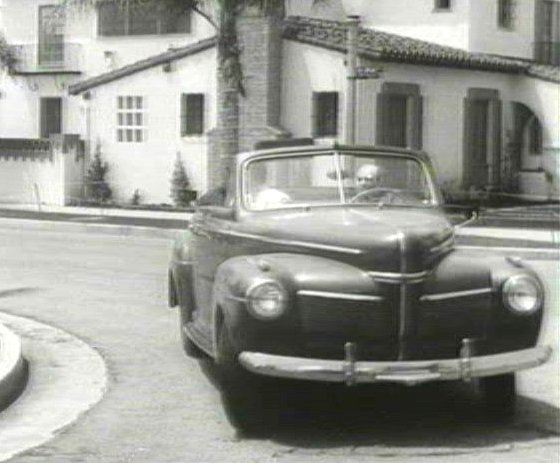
x: 343, y: 199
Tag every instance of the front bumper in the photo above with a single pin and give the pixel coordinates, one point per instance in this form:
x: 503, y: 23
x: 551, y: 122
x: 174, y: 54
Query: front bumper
x: 410, y: 373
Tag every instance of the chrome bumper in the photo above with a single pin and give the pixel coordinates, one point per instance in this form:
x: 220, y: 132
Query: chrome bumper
x: 410, y: 373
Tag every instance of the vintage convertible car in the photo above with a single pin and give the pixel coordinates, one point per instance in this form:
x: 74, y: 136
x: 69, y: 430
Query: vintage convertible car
x: 337, y: 263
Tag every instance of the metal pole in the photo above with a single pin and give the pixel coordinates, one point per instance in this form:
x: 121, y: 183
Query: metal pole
x: 352, y: 27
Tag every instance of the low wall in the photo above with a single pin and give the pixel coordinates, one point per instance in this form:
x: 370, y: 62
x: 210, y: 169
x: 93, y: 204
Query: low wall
x: 34, y: 171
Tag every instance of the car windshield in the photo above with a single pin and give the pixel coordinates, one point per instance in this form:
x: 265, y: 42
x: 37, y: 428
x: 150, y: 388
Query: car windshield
x: 334, y: 178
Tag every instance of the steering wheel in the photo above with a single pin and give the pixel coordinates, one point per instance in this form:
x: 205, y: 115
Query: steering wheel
x: 379, y: 194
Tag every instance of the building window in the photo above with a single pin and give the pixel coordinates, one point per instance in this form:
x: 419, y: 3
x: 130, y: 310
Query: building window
x: 51, y: 36
x: 126, y: 18
x: 442, y: 4
x: 547, y: 32
x: 192, y: 114
x: 399, y: 115
x: 131, y: 119
x: 505, y: 14
x: 534, y: 136
x: 325, y: 114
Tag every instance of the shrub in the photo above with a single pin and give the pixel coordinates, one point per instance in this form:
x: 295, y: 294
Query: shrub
x: 97, y: 188
x: 181, y: 193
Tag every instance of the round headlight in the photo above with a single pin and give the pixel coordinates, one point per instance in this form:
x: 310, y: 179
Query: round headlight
x: 522, y: 294
x: 267, y: 300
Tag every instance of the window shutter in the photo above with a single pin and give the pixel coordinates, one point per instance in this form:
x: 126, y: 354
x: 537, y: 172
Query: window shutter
x: 381, y: 118
x: 416, y: 127
x: 467, y: 140
x: 183, y: 116
x: 496, y: 138
x: 314, y: 110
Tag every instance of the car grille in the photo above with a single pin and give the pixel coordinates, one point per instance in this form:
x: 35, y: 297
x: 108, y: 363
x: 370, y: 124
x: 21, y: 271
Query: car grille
x: 327, y: 324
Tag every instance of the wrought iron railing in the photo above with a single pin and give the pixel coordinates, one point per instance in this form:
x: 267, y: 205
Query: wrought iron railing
x: 547, y: 53
x: 51, y: 57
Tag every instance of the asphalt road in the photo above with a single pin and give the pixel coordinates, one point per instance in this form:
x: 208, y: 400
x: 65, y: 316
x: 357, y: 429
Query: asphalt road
x: 163, y: 407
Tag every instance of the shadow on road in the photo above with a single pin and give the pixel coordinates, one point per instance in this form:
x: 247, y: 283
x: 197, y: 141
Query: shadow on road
x: 436, y: 415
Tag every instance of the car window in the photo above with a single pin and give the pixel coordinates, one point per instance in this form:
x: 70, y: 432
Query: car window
x: 331, y: 179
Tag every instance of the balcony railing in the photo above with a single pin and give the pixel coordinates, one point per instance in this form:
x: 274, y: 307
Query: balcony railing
x: 547, y: 53
x: 47, y: 58
x: 25, y: 148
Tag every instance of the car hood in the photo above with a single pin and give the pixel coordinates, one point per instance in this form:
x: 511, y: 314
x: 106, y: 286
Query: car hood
x: 387, y: 240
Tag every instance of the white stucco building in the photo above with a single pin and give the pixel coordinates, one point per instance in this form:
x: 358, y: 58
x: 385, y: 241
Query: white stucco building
x: 475, y: 83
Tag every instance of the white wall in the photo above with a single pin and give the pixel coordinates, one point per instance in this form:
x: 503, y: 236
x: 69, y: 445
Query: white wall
x: 468, y: 24
x: 311, y: 69
x: 486, y: 36
x: 148, y: 166
x: 543, y: 99
x: 19, y: 98
x: 55, y: 180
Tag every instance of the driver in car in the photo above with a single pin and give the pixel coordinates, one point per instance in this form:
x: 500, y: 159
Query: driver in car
x: 368, y: 182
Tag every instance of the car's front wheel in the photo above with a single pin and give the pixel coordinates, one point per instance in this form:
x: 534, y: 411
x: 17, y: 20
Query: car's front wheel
x: 499, y: 395
x: 243, y: 393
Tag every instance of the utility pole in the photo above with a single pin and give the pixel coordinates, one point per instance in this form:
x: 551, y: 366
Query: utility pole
x: 352, y: 28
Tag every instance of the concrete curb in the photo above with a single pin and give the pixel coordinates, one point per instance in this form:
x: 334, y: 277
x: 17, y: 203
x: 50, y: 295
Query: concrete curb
x: 13, y: 367
x: 67, y: 378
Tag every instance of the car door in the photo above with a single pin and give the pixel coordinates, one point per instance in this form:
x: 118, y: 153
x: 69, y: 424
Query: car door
x: 211, y: 247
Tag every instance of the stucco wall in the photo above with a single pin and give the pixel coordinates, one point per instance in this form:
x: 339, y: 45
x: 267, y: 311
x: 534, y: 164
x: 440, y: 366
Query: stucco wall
x: 148, y: 166
x: 309, y: 69
x: 542, y: 98
x: 486, y: 36
x: 54, y: 178
x: 468, y: 24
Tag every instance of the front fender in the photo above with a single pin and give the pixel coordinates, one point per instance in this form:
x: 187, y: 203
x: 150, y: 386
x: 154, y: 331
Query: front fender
x: 294, y: 272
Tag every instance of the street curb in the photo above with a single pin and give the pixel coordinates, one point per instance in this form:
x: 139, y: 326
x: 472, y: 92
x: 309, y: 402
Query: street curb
x: 80, y: 227
x: 67, y: 378
x: 13, y: 367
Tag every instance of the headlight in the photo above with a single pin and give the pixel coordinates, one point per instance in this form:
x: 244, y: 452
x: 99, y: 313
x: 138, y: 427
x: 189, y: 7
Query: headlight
x: 522, y: 294
x: 267, y: 300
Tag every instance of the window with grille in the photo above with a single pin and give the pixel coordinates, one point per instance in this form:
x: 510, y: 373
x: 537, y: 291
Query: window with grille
x: 505, y: 13
x: 131, y: 119
x: 126, y: 18
x: 192, y: 114
x: 325, y: 114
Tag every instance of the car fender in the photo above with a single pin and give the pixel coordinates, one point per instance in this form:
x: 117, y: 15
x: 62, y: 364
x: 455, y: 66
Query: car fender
x: 180, y: 271
x: 293, y: 271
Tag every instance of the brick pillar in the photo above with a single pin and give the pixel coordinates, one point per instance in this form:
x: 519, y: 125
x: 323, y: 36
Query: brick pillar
x: 246, y: 119
x: 260, y: 39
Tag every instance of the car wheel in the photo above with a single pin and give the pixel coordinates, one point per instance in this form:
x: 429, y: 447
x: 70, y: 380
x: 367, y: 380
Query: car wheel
x: 190, y: 348
x: 243, y: 394
x: 498, y: 394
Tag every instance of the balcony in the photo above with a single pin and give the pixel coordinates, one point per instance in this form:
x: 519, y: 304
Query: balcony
x: 547, y: 53
x: 59, y: 58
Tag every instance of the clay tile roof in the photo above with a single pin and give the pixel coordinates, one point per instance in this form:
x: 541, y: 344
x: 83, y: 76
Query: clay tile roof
x: 375, y: 44
x: 156, y: 60
x: 545, y: 72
